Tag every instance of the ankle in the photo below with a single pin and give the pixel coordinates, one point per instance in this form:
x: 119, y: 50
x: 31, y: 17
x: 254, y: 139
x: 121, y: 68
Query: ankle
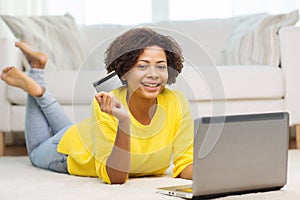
x: 41, y: 92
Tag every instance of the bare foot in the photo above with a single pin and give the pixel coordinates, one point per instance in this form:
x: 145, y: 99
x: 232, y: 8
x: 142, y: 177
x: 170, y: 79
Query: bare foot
x: 36, y: 59
x: 15, y: 77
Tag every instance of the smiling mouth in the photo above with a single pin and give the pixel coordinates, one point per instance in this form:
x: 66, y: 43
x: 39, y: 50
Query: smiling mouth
x: 152, y: 85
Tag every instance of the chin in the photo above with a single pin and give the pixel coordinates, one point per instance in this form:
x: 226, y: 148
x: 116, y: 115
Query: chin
x: 149, y: 96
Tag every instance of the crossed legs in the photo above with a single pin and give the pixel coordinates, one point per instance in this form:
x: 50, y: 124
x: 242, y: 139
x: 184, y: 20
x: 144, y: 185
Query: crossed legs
x: 45, y: 121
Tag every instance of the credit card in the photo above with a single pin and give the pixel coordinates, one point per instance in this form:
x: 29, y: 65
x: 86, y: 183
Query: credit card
x: 107, y: 83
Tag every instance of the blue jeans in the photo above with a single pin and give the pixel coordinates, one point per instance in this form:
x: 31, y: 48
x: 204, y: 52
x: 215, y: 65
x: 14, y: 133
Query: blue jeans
x: 45, y: 124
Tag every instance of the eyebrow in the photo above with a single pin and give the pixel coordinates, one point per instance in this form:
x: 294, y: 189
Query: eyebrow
x: 147, y: 61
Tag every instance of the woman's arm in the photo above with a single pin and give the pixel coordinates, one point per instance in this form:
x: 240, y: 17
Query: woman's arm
x: 118, y: 163
x: 187, y: 172
x: 183, y: 140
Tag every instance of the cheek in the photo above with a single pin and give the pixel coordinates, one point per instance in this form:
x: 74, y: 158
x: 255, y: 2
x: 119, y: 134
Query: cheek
x: 165, y: 77
x: 133, y: 81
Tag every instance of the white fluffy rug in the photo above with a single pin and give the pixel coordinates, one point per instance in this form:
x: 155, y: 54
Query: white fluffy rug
x: 20, y: 180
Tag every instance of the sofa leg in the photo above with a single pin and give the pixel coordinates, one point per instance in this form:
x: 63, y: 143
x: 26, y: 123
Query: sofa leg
x: 2, y: 143
x: 298, y: 136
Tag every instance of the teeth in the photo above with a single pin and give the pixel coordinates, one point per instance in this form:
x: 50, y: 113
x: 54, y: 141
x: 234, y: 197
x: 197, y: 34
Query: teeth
x: 150, y: 85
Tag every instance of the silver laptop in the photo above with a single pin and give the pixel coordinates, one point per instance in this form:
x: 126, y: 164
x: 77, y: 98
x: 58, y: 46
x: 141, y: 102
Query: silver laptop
x: 237, y: 154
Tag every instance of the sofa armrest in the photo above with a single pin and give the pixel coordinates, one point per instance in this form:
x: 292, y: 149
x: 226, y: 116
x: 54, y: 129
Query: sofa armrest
x: 4, y: 109
x: 290, y: 63
x: 10, y: 55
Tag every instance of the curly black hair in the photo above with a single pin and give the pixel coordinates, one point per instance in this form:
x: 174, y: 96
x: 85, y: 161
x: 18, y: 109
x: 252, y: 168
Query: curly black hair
x: 123, y: 52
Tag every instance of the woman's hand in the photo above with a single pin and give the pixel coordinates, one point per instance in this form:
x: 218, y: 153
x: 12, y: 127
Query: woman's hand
x: 118, y: 163
x: 111, y: 105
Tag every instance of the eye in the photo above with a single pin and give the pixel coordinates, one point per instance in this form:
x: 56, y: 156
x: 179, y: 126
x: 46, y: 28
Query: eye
x: 142, y: 66
x: 162, y: 67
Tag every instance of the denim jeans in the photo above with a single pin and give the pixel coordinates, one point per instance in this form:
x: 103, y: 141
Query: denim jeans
x: 45, y: 124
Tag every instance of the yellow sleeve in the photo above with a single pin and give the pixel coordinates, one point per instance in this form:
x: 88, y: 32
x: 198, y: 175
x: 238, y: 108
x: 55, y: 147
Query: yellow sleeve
x: 103, y: 131
x: 184, y: 138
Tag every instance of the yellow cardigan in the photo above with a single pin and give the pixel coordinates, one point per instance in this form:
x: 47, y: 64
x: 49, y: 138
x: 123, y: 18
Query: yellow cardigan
x: 169, y: 137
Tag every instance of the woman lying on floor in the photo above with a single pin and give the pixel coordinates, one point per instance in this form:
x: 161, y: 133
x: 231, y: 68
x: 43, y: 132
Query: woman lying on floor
x: 135, y: 130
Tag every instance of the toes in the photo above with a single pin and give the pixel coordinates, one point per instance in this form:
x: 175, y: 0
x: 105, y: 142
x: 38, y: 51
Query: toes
x: 6, y: 69
x: 23, y: 45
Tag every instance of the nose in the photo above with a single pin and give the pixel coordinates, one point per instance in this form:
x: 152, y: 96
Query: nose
x: 152, y: 72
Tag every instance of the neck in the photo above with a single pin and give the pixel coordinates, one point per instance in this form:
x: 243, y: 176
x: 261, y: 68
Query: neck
x: 143, y: 110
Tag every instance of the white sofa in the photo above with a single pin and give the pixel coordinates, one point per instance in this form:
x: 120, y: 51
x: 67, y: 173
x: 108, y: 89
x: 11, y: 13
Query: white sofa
x: 215, y: 80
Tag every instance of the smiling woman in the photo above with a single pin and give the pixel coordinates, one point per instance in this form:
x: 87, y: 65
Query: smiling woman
x: 150, y: 72
x: 135, y: 130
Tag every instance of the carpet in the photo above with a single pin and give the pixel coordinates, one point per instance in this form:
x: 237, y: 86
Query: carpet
x: 20, y: 180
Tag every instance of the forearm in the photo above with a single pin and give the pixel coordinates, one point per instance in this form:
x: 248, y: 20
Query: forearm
x: 187, y: 172
x: 118, y: 163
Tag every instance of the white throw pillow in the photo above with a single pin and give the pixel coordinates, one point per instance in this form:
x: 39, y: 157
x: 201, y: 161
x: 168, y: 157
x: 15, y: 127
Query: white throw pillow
x: 254, y: 39
x: 58, y: 36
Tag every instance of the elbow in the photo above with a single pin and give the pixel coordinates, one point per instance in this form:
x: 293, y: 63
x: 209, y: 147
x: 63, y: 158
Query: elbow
x: 187, y: 172
x: 114, y: 181
x: 118, y: 180
x: 117, y: 176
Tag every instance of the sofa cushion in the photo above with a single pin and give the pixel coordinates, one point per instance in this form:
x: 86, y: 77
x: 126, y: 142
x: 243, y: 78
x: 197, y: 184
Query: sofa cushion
x: 5, y: 31
x: 75, y: 113
x: 204, y: 34
x: 235, y: 82
x: 97, y: 38
x: 58, y: 36
x: 231, y: 83
x: 198, y: 36
x: 255, y: 41
x: 10, y: 55
x: 68, y: 87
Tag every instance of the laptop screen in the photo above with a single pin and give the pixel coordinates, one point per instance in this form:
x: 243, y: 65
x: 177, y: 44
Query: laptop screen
x: 240, y: 153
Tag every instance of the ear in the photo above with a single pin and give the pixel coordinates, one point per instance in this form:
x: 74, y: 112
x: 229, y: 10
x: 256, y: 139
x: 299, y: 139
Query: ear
x: 123, y: 78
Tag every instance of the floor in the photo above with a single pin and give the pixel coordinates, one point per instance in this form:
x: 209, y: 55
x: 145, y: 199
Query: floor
x: 20, y: 149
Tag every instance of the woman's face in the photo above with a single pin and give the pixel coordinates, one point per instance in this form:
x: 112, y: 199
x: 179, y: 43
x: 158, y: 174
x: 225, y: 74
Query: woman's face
x: 148, y: 77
